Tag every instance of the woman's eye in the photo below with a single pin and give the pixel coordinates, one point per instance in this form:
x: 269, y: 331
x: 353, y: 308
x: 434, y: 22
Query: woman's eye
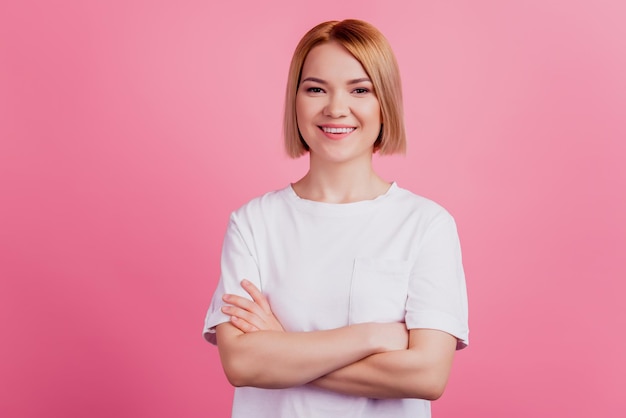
x: 314, y: 90
x: 361, y: 90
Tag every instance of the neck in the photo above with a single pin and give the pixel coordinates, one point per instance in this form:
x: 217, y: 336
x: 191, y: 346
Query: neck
x: 349, y: 181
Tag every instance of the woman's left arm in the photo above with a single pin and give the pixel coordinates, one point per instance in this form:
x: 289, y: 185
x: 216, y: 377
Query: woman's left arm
x: 421, y: 371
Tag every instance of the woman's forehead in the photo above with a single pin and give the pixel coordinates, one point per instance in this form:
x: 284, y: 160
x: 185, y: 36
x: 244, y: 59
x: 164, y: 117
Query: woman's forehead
x: 331, y: 60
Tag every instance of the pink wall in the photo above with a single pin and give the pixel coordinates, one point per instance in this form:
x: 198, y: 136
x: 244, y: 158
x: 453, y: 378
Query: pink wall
x: 130, y: 129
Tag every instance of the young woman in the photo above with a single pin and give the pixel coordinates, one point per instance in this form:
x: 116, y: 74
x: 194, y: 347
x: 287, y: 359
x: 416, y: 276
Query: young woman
x: 341, y: 295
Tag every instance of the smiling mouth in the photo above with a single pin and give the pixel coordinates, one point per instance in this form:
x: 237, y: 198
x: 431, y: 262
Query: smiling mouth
x: 336, y: 130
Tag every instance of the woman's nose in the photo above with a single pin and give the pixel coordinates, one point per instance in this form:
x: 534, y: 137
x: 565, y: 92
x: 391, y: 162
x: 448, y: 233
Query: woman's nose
x: 337, y: 106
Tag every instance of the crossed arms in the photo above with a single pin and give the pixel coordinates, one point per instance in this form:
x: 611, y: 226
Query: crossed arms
x: 375, y: 360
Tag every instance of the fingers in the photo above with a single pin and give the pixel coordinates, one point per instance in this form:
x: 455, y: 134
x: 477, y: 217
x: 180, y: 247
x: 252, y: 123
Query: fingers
x: 242, y: 324
x: 243, y: 319
x: 248, y: 315
x: 256, y: 294
x: 255, y: 314
x: 243, y: 303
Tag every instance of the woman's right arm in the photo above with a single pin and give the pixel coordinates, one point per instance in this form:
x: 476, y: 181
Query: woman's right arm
x: 272, y: 358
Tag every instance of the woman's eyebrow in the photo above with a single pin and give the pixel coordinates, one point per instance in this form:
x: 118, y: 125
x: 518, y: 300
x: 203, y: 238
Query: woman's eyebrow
x: 359, y: 80
x: 314, y: 80
x: 320, y: 81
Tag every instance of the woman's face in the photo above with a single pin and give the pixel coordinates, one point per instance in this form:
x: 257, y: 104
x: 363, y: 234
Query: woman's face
x: 336, y: 107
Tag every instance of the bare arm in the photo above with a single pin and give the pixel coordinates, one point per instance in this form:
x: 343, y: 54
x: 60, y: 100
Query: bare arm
x: 255, y: 351
x: 419, y: 372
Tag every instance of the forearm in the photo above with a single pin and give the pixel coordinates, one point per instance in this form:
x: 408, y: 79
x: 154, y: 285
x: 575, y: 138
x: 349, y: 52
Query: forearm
x: 419, y: 372
x: 273, y: 359
x: 384, y: 376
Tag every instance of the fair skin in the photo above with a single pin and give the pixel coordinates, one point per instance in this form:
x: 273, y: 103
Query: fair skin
x: 339, y: 118
x: 335, y: 93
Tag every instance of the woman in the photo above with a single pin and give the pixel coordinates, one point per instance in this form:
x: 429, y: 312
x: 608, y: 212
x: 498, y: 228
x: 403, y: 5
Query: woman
x: 354, y: 298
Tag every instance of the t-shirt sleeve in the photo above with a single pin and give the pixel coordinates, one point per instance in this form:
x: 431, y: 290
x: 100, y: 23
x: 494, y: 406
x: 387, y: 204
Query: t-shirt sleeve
x: 238, y: 262
x: 437, y: 294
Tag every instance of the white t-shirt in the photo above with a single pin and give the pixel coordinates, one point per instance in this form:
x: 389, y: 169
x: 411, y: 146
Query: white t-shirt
x: 324, y: 266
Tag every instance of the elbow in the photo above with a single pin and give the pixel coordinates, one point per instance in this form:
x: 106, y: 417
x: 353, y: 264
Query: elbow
x: 234, y: 379
x: 237, y: 375
x: 429, y: 388
x: 429, y: 392
x: 437, y: 387
x: 240, y: 367
x: 432, y: 382
x: 435, y: 392
x: 236, y: 372
x: 236, y: 382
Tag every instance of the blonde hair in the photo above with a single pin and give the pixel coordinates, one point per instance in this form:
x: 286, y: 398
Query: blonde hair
x: 373, y: 51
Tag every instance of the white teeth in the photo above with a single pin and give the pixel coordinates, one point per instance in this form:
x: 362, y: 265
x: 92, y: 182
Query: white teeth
x: 337, y: 130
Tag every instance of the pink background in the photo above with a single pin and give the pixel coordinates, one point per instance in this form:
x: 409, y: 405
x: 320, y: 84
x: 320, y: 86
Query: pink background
x: 130, y: 129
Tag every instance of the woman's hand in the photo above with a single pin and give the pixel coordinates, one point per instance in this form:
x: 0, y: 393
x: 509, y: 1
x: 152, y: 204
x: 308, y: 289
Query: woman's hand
x: 251, y: 315
x: 256, y: 315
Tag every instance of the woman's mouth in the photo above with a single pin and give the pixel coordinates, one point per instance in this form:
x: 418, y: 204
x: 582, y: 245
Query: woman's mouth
x: 330, y: 130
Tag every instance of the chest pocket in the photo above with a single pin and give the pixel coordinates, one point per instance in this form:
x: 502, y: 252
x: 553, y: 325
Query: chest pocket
x: 378, y: 290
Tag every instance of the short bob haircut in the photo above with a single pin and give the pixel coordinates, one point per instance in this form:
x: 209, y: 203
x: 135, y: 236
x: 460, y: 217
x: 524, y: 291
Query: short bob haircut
x: 373, y: 51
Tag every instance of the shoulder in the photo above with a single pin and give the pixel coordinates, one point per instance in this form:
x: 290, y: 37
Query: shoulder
x: 416, y: 205
x: 269, y: 203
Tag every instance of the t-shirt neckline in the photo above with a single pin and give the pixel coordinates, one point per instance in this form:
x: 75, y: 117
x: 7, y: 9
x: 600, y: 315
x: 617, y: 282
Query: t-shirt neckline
x: 337, y: 209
